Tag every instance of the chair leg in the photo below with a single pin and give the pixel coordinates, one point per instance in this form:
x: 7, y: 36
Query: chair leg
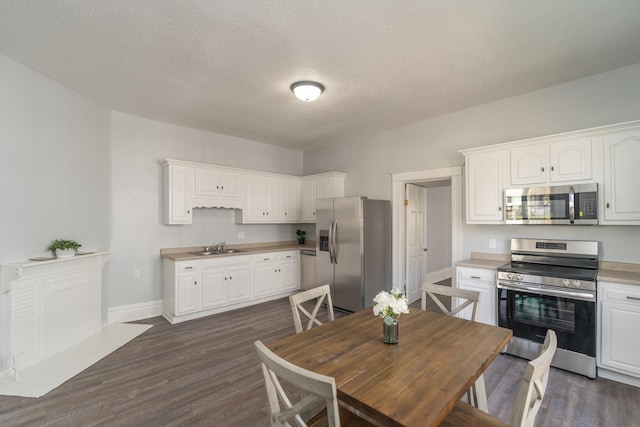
x: 477, y: 395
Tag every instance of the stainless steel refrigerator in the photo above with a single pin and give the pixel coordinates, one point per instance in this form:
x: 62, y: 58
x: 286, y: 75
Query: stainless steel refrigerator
x: 353, y: 249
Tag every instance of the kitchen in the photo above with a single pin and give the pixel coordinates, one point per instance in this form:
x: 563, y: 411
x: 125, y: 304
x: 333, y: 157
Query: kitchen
x: 73, y: 167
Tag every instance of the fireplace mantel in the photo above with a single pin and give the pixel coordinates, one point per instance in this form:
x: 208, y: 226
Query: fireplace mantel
x: 48, y: 306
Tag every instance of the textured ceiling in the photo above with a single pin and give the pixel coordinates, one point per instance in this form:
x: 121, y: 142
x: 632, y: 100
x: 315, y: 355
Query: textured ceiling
x: 226, y: 65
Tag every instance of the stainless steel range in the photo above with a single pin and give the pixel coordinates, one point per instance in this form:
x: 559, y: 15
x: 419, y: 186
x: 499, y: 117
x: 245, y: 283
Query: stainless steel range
x: 551, y: 284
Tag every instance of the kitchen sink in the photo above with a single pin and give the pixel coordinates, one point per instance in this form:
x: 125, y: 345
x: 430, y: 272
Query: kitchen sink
x: 226, y: 251
x: 232, y: 251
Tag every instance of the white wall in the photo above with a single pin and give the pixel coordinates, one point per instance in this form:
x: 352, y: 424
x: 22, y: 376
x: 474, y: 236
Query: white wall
x: 54, y: 165
x: 606, y: 98
x: 137, y: 147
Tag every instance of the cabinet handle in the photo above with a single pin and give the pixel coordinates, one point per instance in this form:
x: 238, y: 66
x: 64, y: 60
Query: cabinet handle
x: 552, y: 168
x: 633, y: 298
x: 542, y: 168
x: 230, y: 277
x: 188, y: 268
x: 279, y: 270
x: 475, y: 277
x: 499, y: 208
x: 195, y: 283
x: 275, y: 271
x: 222, y: 188
x: 188, y: 211
x: 217, y: 187
x: 225, y: 278
x: 607, y: 205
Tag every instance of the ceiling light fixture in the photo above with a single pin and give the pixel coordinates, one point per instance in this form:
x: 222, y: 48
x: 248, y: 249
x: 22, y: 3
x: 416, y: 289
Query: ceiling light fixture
x: 307, y: 91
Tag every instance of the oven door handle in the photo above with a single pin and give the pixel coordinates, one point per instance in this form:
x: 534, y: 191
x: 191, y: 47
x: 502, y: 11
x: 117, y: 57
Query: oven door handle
x: 572, y: 205
x: 582, y: 296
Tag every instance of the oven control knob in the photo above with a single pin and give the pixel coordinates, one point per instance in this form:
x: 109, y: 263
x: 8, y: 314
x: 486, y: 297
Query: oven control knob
x: 510, y: 276
x: 519, y: 277
x: 576, y: 283
x: 566, y: 283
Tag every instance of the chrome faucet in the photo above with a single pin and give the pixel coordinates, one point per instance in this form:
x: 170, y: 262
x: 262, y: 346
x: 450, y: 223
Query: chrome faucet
x: 221, y: 246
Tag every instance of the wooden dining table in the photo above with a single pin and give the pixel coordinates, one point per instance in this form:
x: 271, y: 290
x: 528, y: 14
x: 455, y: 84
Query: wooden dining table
x: 415, y: 382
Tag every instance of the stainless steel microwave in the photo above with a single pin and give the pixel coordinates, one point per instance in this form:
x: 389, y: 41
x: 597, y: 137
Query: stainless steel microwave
x: 567, y: 204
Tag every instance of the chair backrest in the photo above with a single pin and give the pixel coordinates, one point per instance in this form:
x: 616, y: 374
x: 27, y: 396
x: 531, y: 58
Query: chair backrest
x: 465, y: 298
x: 318, y: 388
x: 534, y: 384
x: 321, y: 294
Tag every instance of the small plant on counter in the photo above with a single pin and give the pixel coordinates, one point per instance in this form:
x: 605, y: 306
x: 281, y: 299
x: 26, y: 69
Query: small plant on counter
x: 301, y: 234
x: 63, y: 248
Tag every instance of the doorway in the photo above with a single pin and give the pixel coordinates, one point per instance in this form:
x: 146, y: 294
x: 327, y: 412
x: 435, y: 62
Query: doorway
x: 405, y: 264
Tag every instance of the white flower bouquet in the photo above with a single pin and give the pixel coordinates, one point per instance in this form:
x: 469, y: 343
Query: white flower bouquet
x: 388, y: 305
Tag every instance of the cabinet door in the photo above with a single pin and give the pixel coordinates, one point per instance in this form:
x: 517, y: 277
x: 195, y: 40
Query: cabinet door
x: 324, y: 188
x: 309, y: 200
x: 187, y: 291
x: 231, y: 185
x: 240, y: 284
x: 570, y: 161
x: 485, y: 179
x: 620, y: 337
x: 621, y: 176
x: 207, y: 182
x: 528, y: 165
x: 253, y: 203
x: 214, y: 287
x: 288, y: 276
x: 290, y: 200
x: 271, y: 199
x: 487, y: 307
x: 181, y: 181
x: 265, y: 278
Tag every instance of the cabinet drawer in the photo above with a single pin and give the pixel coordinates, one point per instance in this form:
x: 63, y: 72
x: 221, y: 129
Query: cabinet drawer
x: 284, y: 256
x: 478, y: 274
x: 226, y: 261
x: 614, y: 292
x: 186, y: 266
x: 265, y: 258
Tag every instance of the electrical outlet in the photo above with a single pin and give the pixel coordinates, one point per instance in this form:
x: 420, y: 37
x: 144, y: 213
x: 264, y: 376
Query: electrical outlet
x: 136, y: 273
x: 492, y: 243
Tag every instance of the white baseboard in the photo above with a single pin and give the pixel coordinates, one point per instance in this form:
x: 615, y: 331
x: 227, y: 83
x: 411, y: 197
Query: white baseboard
x: 619, y: 377
x: 131, y: 312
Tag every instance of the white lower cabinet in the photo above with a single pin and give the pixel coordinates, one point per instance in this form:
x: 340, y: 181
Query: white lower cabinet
x: 196, y: 288
x: 618, y: 331
x: 484, y: 281
x: 277, y: 272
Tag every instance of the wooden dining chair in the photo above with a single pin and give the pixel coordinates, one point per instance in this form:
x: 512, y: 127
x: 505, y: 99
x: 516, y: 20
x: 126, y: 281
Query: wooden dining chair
x: 528, y: 400
x: 318, y: 391
x: 321, y: 294
x: 477, y: 394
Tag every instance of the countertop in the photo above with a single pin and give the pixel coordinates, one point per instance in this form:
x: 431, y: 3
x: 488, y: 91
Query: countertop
x: 182, y: 254
x: 619, y: 273
x: 484, y: 260
x: 607, y: 272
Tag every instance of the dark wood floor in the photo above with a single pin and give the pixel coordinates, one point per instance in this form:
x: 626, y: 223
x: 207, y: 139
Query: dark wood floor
x: 205, y: 373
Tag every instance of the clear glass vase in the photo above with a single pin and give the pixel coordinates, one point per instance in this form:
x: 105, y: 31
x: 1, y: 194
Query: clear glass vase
x: 390, y: 331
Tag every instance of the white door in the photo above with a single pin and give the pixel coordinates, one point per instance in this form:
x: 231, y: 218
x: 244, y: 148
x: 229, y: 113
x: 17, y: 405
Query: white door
x: 416, y: 240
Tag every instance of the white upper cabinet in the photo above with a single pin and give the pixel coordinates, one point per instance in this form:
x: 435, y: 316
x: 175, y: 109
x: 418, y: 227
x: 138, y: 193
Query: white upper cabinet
x: 262, y: 201
x: 178, y: 184
x: 621, y: 169
x: 290, y: 200
x: 554, y: 162
x: 485, y: 184
x: 321, y: 186
x: 218, y: 188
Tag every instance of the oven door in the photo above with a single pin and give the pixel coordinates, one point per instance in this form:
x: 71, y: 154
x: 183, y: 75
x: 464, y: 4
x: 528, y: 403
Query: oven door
x: 529, y: 315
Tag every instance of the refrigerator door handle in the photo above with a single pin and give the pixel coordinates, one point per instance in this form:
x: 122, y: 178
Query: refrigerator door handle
x: 331, y: 241
x: 335, y: 241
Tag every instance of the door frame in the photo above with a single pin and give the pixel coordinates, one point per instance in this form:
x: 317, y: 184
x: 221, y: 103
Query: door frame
x: 398, y: 244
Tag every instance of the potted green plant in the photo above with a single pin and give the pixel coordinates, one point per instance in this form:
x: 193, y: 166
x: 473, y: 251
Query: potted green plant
x: 64, y: 248
x: 301, y: 234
